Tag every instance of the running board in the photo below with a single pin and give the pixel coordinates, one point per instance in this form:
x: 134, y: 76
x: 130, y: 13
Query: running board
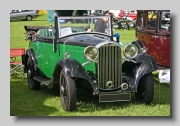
x: 42, y: 80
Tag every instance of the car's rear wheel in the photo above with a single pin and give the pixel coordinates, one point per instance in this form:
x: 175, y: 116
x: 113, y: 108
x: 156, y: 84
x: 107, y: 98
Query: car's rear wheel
x: 29, y: 18
x: 145, y: 90
x: 33, y: 84
x: 67, y: 92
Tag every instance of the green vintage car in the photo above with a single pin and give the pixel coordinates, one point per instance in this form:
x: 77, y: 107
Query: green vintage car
x: 74, y: 56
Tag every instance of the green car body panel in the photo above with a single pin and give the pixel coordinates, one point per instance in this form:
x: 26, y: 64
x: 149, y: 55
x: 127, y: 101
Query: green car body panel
x: 48, y: 59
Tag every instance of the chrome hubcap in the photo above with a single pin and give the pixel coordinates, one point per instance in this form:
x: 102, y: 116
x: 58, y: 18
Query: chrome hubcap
x: 29, y: 73
x: 62, y: 90
x: 29, y: 18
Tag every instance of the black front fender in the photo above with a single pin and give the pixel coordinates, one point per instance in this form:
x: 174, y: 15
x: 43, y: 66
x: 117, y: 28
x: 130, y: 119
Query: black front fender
x: 72, y: 68
x: 145, y: 64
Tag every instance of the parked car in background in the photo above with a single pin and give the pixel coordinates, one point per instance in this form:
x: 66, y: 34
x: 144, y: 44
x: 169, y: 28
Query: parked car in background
x: 115, y: 12
x: 131, y: 13
x: 153, y: 30
x: 23, y: 14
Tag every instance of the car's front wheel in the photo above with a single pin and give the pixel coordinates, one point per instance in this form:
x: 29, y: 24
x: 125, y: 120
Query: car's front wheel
x: 33, y: 84
x: 145, y: 90
x: 67, y: 92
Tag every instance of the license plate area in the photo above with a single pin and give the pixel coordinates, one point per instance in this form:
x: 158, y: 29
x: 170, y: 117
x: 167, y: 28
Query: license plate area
x: 114, y: 97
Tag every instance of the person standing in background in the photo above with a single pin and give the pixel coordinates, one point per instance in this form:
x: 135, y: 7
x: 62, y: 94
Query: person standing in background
x: 123, y: 14
x: 100, y: 24
x: 92, y: 14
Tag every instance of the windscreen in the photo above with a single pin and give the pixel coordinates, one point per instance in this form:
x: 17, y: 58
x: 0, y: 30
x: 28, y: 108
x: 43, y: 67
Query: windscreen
x: 72, y: 25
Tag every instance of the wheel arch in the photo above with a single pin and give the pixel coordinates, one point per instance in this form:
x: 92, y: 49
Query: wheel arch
x: 145, y: 64
x: 145, y: 89
x: 30, y: 53
x: 72, y: 68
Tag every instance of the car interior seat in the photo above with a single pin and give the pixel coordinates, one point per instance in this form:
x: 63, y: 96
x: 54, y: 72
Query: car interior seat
x: 46, y: 33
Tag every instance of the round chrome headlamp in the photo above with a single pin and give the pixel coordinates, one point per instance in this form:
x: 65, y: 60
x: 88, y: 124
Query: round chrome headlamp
x: 130, y: 51
x: 91, y: 53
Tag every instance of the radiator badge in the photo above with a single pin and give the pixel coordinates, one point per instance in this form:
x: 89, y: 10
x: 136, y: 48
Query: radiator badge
x: 109, y: 85
x: 109, y: 44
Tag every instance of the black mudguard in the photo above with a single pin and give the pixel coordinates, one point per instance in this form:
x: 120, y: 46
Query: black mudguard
x: 30, y: 53
x: 72, y: 68
x: 145, y: 64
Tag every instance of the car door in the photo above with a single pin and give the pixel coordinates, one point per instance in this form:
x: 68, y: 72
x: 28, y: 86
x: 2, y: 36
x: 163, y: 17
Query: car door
x: 139, y: 26
x: 43, y: 49
x: 13, y: 15
x: 46, y: 57
x: 147, y: 33
x: 150, y: 28
x: 163, y: 39
x: 21, y: 14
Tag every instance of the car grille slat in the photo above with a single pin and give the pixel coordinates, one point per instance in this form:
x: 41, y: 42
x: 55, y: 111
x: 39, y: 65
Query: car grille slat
x: 116, y: 67
x: 109, y: 63
x: 113, y: 67
x: 106, y: 65
x: 109, y: 67
x: 100, y: 60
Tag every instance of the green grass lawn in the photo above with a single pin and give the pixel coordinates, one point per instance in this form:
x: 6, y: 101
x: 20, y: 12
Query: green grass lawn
x: 46, y: 102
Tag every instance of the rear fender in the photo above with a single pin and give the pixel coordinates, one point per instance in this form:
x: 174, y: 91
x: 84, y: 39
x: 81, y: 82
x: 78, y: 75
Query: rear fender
x: 30, y: 53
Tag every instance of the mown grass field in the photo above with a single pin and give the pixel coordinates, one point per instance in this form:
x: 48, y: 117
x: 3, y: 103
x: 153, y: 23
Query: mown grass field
x: 46, y: 102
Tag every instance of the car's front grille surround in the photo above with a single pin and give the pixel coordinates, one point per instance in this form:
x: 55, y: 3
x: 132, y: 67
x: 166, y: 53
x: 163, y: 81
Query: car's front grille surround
x: 109, y: 66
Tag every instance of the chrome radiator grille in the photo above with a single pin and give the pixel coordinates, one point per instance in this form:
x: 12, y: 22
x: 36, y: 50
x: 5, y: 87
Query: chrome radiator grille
x: 109, y: 67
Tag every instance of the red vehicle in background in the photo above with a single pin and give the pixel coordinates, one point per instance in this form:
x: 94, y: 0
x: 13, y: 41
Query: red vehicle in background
x: 126, y: 13
x: 153, y: 30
